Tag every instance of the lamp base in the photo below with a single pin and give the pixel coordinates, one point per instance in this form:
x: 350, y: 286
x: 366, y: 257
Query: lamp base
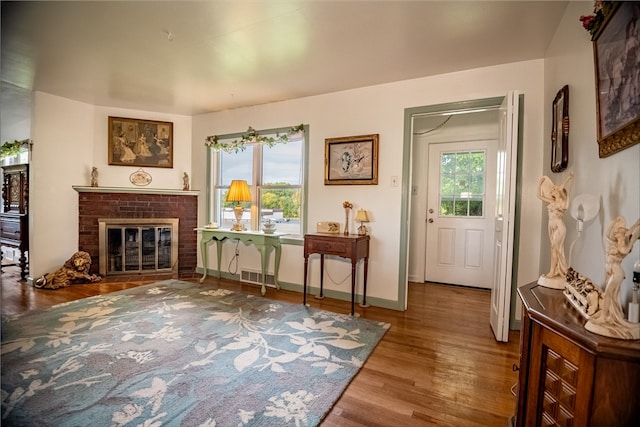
x: 238, y: 227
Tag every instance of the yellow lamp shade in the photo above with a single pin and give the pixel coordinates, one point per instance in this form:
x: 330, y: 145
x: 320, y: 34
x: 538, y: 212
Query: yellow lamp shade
x: 239, y: 191
x: 362, y: 216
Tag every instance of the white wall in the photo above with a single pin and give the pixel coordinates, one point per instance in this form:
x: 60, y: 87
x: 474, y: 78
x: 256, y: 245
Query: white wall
x: 69, y: 138
x: 380, y: 109
x: 616, y: 179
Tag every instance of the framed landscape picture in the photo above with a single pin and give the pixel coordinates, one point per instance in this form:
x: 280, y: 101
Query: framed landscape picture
x: 351, y: 160
x: 135, y: 142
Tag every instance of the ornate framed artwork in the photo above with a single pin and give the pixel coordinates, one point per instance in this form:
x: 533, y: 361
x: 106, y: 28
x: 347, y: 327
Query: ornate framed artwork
x: 616, y: 48
x: 560, y: 130
x: 351, y: 160
x: 135, y: 142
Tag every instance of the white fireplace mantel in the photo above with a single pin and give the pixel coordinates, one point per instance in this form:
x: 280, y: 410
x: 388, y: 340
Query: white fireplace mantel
x: 135, y: 190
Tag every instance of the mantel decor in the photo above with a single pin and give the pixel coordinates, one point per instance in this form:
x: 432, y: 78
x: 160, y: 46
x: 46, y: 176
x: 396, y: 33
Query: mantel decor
x: 616, y: 46
x: 351, y: 160
x: 251, y: 137
x: 135, y: 142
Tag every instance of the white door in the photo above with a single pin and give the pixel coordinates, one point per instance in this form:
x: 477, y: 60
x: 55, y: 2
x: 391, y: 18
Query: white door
x: 504, y: 217
x: 460, y: 209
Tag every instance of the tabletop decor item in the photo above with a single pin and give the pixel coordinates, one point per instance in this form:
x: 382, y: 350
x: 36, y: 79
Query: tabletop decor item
x: 609, y: 320
x: 362, y: 216
x: 269, y: 227
x: 136, y: 142
x: 347, y: 205
x: 557, y: 198
x: 238, y: 192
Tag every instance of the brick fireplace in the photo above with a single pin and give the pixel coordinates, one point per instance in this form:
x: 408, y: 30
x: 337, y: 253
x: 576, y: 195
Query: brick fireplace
x: 129, y: 203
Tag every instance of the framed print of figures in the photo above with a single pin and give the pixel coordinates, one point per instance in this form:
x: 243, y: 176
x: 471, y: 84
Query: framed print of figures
x: 135, y: 142
x: 616, y: 49
x: 351, y: 160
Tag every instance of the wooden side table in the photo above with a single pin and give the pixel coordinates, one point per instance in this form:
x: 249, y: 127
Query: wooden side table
x: 352, y: 246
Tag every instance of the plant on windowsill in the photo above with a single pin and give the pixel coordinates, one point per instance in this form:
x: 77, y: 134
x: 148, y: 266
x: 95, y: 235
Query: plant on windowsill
x: 251, y: 137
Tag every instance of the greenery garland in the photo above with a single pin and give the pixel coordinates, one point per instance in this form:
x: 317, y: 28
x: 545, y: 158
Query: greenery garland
x: 251, y: 137
x: 10, y: 149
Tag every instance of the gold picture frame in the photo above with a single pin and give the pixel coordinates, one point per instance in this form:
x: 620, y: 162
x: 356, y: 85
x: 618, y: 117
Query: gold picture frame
x: 137, y: 142
x: 617, y: 72
x: 351, y: 160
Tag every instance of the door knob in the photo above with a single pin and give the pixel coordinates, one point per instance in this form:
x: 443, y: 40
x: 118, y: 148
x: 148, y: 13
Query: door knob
x: 430, y: 210
x: 430, y: 220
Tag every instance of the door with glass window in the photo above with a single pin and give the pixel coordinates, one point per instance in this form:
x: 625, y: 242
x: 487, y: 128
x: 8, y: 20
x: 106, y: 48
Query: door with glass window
x: 460, y: 210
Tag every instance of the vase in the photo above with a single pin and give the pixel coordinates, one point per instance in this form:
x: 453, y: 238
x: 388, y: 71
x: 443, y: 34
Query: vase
x: 346, y: 222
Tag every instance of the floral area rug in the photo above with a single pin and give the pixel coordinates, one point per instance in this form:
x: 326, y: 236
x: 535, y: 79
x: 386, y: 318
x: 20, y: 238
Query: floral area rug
x: 175, y: 353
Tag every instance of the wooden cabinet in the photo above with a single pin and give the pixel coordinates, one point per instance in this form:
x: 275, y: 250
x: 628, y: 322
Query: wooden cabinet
x: 14, y: 220
x: 569, y: 376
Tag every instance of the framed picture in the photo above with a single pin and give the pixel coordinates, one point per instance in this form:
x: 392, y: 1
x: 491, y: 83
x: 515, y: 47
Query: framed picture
x: 351, y: 160
x: 135, y: 142
x: 616, y: 49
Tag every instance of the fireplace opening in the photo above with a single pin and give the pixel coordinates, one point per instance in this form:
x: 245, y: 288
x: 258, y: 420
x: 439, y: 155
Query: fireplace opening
x: 138, y: 245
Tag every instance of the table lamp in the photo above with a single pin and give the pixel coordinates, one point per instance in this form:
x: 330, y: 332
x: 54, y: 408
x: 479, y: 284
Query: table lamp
x: 362, y: 217
x: 238, y: 192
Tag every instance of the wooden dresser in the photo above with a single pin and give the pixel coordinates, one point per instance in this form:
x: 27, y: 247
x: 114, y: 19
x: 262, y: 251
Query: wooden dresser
x: 569, y: 376
x: 14, y: 219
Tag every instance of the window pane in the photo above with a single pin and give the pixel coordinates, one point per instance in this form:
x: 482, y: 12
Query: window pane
x: 461, y: 207
x: 281, y: 164
x: 236, y: 166
x: 282, y: 206
x: 462, y: 183
x: 463, y: 161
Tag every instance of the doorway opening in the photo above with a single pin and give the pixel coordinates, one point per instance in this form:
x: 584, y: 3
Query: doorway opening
x: 488, y: 119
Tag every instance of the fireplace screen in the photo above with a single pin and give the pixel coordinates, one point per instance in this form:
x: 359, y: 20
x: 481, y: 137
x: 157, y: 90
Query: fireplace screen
x: 138, y: 248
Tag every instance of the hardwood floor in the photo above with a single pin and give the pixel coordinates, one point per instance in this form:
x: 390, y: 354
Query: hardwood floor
x: 438, y: 365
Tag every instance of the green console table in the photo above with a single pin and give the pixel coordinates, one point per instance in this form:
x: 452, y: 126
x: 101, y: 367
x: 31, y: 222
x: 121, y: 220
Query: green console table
x: 262, y: 241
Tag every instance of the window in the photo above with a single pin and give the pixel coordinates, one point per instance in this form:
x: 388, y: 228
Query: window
x: 276, y: 179
x: 462, y: 183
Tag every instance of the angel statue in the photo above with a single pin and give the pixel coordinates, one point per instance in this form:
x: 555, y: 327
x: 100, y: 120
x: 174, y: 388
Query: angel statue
x: 557, y: 197
x: 610, y: 321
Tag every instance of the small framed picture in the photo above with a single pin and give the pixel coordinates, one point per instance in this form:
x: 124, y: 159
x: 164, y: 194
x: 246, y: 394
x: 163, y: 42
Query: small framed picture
x: 135, y: 142
x: 351, y: 160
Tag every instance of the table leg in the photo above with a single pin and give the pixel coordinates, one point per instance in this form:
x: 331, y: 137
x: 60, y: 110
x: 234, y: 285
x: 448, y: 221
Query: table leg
x: 364, y: 292
x: 276, y: 266
x: 321, y: 296
x: 264, y: 258
x: 219, y: 249
x: 353, y: 285
x: 304, y: 281
x: 203, y: 255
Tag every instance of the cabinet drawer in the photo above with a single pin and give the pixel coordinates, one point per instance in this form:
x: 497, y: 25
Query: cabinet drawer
x: 327, y: 247
x: 10, y: 229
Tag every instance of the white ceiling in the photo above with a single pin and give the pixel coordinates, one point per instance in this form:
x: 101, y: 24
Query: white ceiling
x: 188, y: 58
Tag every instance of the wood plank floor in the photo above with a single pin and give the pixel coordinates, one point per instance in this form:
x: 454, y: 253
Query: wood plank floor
x: 438, y: 365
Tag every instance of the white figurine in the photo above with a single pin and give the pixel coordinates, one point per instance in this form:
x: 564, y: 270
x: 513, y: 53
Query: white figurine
x: 557, y: 198
x: 610, y: 321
